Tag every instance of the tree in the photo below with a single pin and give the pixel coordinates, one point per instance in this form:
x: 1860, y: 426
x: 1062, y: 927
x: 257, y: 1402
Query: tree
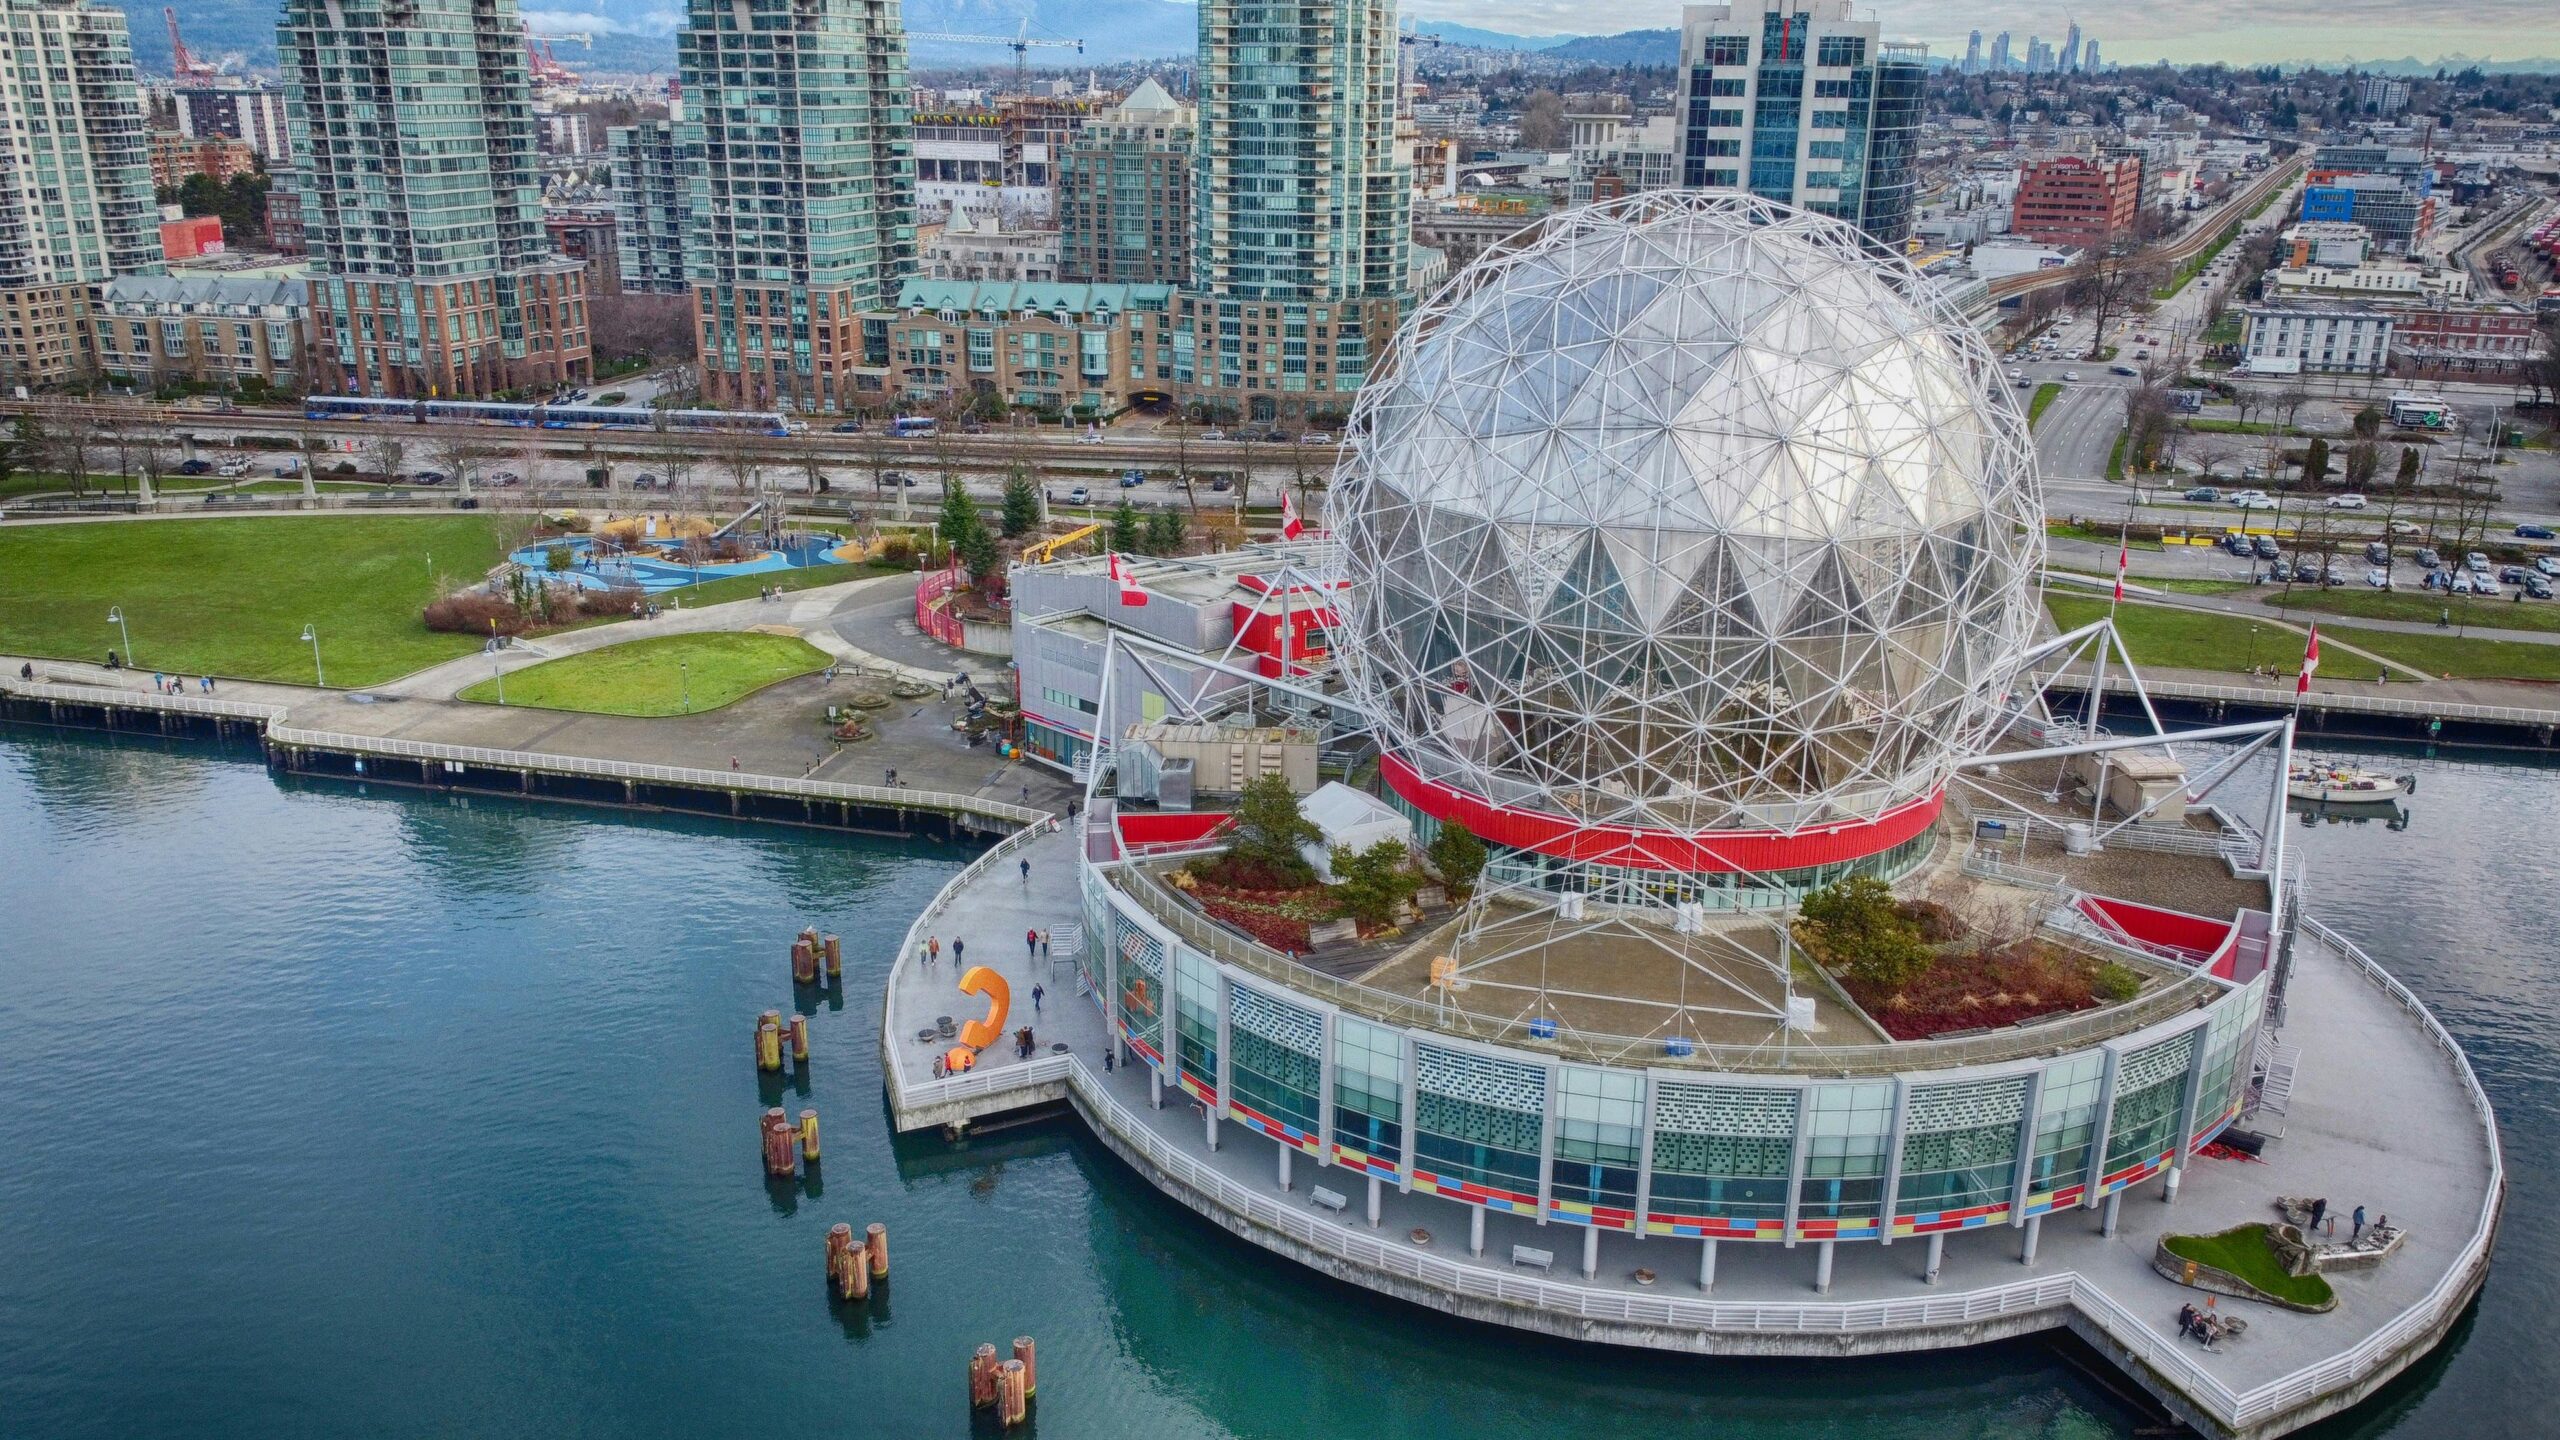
x: 20, y: 446
x: 2408, y: 466
x: 1372, y: 884
x: 959, y: 523
x: 1853, y: 924
x: 1021, y: 503
x: 2315, y: 462
x: 2368, y: 423
x: 1127, y: 534
x: 1164, y: 532
x: 2364, y: 461
x: 386, y: 454
x: 1269, y: 828
x: 2106, y: 286
x: 1542, y: 121
x: 1458, y: 855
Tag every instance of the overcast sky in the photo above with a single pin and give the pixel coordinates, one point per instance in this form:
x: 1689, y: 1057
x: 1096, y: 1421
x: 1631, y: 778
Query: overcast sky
x: 2240, y: 31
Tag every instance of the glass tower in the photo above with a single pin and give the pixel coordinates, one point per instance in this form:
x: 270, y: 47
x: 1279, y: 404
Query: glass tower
x: 802, y: 174
x: 1796, y: 101
x: 431, y: 273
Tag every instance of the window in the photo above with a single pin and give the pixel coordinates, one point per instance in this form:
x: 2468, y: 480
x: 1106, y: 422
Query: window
x: 1725, y: 50
x: 1841, y: 50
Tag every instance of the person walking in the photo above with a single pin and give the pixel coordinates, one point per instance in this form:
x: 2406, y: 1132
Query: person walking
x: 2319, y: 1212
x: 1044, y: 944
x: 1031, y: 944
x: 933, y: 943
x: 1026, y: 870
x: 2358, y: 1233
x: 924, y: 953
x: 959, y: 947
x: 1036, y: 992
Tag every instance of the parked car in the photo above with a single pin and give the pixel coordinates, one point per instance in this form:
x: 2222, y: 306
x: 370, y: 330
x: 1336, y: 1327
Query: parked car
x: 2537, y: 587
x: 2238, y: 544
x: 2536, y: 532
x: 1315, y: 437
x: 196, y: 467
x: 2306, y: 572
x: 897, y: 480
x: 2254, y: 500
x: 2476, y: 563
x: 2345, y: 502
x: 506, y: 477
x: 849, y: 427
x: 1132, y: 479
x: 2378, y: 578
x: 2263, y: 546
x: 2377, y: 553
x: 431, y: 477
x: 2426, y: 556
x: 1213, y: 433
x: 1222, y: 483
x: 2547, y: 564
x: 2205, y: 494
x: 2512, y: 574
x: 1080, y: 496
x: 644, y: 481
x: 2404, y: 527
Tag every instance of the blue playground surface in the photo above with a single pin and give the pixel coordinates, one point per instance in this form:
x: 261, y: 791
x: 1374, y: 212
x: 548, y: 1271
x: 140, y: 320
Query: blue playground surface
x: 658, y: 575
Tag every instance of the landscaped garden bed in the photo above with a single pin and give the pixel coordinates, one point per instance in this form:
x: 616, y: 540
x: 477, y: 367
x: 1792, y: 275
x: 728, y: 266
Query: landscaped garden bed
x: 2240, y: 1262
x: 1917, y: 971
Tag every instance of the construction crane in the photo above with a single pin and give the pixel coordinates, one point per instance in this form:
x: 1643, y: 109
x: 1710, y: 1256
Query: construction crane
x: 546, y: 67
x: 183, y: 65
x: 1020, y: 43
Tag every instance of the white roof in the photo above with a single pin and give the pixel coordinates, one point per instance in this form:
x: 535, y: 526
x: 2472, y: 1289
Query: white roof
x: 1354, y: 817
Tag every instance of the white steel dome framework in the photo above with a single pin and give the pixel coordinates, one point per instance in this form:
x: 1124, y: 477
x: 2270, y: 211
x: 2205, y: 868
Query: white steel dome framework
x: 1693, y: 516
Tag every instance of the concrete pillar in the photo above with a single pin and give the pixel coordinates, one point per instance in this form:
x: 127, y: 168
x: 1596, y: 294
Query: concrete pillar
x: 1209, y: 1124
x: 1475, y: 1229
x: 1374, y: 1188
x: 2027, y: 1241
x: 1707, y: 1265
x: 1285, y: 1152
x: 2169, y: 1186
x: 1590, y: 1251
x: 1155, y: 1088
x: 2107, y: 1226
x: 1937, y: 1256
x: 1822, y: 1268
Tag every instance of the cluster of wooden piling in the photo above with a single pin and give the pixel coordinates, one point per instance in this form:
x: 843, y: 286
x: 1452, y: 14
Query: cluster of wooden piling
x: 850, y: 1267
x: 778, y: 1040
x: 811, y: 953
x: 787, y: 1146
x: 1005, y: 1385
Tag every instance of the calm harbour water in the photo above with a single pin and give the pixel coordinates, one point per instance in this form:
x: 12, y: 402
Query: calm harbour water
x: 327, y: 1112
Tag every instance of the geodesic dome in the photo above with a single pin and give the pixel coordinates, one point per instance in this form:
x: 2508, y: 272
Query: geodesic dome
x: 1691, y: 514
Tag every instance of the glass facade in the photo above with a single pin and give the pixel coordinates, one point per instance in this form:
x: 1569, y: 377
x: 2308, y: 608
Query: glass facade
x: 1368, y: 1096
x: 1695, y: 1156
x: 1847, y: 1130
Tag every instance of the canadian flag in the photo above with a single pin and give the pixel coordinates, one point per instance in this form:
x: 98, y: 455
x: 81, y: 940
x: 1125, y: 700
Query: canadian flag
x: 1291, y: 527
x: 2123, y: 554
x: 2310, y: 663
x: 1131, y: 592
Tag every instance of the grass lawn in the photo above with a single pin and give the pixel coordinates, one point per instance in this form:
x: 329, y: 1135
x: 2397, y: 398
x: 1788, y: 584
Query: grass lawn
x: 2177, y: 584
x: 2045, y: 395
x: 2115, y: 457
x: 2423, y: 608
x: 2204, y: 640
x: 230, y: 597
x: 2243, y: 427
x: 2098, y: 535
x: 653, y: 676
x: 745, y: 587
x: 2243, y: 1251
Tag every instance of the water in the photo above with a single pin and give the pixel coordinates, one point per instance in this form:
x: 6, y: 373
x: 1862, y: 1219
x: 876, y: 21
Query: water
x: 333, y: 1113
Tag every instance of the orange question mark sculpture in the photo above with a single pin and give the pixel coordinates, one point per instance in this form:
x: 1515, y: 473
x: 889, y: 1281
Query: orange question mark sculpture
x: 979, y: 1034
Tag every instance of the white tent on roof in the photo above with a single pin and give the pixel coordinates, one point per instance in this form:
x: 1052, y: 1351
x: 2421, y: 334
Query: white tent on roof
x: 1350, y: 818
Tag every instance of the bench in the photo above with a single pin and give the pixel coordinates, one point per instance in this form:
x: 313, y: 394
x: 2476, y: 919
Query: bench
x: 1542, y: 1259
x: 1330, y: 1200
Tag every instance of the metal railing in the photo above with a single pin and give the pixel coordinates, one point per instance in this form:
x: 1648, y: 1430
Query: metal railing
x: 144, y: 700
x: 657, y: 774
x: 2176, y: 1363
x: 1161, y: 904
x: 2332, y: 700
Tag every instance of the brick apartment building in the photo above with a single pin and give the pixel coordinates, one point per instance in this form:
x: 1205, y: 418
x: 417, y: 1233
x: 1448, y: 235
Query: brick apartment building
x: 2078, y: 202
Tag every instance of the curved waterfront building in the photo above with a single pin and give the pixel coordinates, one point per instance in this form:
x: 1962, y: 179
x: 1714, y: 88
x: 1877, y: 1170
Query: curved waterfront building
x: 1687, y: 557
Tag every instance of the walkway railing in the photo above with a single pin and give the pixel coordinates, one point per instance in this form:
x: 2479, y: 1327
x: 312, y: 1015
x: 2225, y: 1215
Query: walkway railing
x: 2281, y: 697
x: 143, y: 700
x: 2179, y: 1364
x: 658, y: 774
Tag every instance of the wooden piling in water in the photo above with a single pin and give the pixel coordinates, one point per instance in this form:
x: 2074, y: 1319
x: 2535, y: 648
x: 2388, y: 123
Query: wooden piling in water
x: 809, y: 1136
x: 875, y: 1242
x: 982, y: 1377
x: 1013, y: 1402
x: 841, y: 1265
x: 835, y: 957
x: 804, y: 961
x: 780, y: 1159
x: 1022, y: 1351
x: 769, y: 1041
x: 799, y: 1038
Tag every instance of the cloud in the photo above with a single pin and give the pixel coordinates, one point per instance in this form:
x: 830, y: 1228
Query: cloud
x: 570, y: 22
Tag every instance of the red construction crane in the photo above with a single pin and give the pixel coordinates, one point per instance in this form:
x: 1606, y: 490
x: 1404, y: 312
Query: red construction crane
x: 181, y: 64
x: 546, y: 67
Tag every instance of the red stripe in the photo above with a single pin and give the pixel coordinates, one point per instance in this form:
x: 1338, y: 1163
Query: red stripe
x: 1700, y: 852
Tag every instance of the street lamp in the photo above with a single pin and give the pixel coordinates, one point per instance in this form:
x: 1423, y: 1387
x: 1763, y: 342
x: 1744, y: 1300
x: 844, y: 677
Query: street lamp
x: 115, y: 617
x: 499, y: 672
x: 684, y: 676
x: 318, y: 675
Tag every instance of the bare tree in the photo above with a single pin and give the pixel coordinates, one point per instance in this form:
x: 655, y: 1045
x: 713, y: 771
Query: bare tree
x: 461, y: 457
x: 387, y: 454
x: 2107, y: 286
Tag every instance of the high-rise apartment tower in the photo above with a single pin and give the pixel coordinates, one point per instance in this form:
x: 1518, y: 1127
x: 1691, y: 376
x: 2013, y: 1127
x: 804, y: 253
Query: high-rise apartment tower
x: 803, y: 184
x: 431, y: 273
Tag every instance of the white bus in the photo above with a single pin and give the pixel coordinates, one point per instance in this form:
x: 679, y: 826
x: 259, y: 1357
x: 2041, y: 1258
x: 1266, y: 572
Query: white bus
x: 2421, y: 412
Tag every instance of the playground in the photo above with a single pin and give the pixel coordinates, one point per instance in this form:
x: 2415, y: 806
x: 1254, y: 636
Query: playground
x: 657, y: 555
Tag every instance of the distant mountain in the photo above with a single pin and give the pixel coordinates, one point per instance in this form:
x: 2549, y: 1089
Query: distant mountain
x: 1457, y: 34
x: 1634, y: 47
x: 639, y: 35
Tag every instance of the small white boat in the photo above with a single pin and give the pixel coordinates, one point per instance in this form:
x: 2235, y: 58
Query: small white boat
x: 2346, y: 784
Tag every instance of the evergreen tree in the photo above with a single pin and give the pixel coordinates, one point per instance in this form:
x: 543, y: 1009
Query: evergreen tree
x: 1021, y: 504
x: 1164, y: 532
x: 2408, y: 465
x: 1128, y: 534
